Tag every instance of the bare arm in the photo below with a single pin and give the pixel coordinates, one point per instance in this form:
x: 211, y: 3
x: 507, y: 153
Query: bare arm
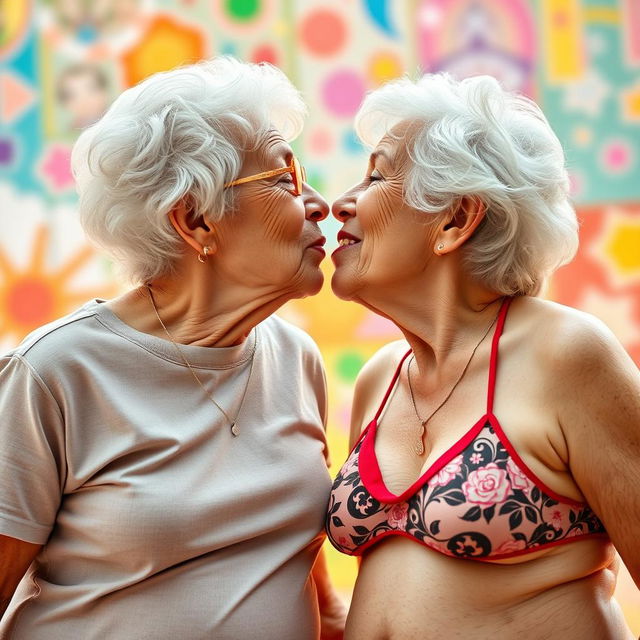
x: 15, y: 558
x: 599, y: 411
x: 333, y: 613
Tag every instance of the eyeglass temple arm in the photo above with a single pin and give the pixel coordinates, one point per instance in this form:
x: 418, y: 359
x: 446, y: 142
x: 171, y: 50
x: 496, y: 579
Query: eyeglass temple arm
x: 260, y: 176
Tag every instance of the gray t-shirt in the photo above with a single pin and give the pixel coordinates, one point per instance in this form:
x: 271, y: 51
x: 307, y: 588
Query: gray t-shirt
x: 156, y: 521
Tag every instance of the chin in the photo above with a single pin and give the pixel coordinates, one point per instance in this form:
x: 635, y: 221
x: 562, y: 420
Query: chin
x: 312, y: 284
x: 341, y: 286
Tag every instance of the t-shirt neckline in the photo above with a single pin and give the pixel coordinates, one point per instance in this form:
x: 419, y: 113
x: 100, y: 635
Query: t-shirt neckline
x: 197, y: 356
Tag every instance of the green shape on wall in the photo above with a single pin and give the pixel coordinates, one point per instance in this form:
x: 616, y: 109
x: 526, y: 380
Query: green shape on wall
x: 243, y: 10
x: 349, y: 365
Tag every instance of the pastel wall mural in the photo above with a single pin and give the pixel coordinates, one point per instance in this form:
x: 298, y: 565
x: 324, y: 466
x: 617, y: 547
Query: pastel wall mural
x: 63, y: 61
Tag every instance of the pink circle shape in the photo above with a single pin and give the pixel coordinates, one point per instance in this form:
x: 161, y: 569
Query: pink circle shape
x: 617, y: 156
x: 576, y: 184
x: 342, y: 92
x: 343, y: 417
x: 56, y: 167
x: 320, y: 141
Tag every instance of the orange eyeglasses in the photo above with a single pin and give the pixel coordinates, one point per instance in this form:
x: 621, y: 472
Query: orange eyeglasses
x: 298, y: 174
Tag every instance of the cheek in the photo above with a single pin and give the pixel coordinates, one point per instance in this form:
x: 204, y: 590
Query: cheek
x: 377, y: 210
x: 281, y: 216
x: 263, y: 236
x: 378, y: 216
x: 394, y: 243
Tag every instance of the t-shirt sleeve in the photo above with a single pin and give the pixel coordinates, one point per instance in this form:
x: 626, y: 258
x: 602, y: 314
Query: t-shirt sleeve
x: 319, y: 381
x: 323, y: 405
x: 32, y: 459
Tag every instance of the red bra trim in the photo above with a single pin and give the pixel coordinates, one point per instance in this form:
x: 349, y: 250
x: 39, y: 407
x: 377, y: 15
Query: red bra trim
x: 363, y: 433
x: 493, y: 367
x: 372, y: 479
x: 512, y: 554
x: 527, y: 471
x: 390, y: 387
x: 371, y: 475
x: 370, y: 469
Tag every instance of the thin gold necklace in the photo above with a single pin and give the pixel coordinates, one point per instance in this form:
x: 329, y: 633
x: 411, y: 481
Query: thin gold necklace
x: 232, y: 423
x: 418, y: 447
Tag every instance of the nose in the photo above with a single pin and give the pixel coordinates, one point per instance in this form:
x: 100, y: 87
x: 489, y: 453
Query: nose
x: 316, y: 208
x: 344, y: 207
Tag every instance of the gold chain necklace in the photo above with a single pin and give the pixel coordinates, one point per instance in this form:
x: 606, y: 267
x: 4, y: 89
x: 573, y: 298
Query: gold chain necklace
x: 419, y: 444
x: 232, y: 423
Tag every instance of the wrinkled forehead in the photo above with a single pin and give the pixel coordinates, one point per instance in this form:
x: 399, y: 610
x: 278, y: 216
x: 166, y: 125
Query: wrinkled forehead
x: 396, y: 143
x: 267, y: 148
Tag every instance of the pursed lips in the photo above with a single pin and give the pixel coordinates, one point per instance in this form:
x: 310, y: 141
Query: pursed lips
x: 318, y: 244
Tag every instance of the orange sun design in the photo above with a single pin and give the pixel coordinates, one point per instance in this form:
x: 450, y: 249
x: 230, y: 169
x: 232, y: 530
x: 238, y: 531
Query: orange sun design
x: 33, y: 296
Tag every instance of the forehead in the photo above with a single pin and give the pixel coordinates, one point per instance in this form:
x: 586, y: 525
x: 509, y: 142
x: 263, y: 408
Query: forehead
x: 273, y: 144
x: 395, y: 143
x: 268, y: 149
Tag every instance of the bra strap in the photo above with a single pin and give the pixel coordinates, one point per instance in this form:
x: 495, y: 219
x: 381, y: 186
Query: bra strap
x: 393, y: 381
x: 493, y: 366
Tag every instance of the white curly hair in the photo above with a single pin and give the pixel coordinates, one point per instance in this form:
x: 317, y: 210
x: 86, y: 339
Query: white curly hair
x: 177, y: 136
x: 473, y: 138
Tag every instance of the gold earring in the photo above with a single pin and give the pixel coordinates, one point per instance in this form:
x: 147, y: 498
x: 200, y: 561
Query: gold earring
x: 203, y: 258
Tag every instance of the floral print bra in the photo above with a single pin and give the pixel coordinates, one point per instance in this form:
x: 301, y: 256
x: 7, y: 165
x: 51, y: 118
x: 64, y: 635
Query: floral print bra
x: 479, y: 500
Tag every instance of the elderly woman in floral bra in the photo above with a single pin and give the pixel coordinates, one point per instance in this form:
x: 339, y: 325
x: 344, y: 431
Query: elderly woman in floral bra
x: 494, y: 452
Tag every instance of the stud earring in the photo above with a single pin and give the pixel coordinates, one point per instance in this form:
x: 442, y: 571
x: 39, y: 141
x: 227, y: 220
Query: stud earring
x: 440, y: 247
x: 203, y: 258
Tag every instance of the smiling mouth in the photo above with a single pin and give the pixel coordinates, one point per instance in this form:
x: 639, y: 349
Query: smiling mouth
x: 345, y: 240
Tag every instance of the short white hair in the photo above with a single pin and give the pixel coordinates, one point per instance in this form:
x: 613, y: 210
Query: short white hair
x: 178, y: 135
x: 473, y: 138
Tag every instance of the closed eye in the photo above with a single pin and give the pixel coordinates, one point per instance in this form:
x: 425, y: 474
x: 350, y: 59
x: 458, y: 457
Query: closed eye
x: 286, y: 181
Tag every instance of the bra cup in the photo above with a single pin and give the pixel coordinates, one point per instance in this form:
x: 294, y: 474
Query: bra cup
x: 479, y: 503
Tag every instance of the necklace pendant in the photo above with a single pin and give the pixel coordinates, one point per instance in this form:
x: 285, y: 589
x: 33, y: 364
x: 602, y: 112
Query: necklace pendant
x: 418, y: 447
x: 234, y: 430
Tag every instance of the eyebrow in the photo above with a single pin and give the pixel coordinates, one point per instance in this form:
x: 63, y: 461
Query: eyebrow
x: 281, y: 152
x: 380, y: 153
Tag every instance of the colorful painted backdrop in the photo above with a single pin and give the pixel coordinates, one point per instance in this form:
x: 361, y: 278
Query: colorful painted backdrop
x: 63, y: 61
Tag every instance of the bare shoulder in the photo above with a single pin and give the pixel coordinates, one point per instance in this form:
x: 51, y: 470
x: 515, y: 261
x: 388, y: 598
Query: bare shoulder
x: 578, y: 363
x: 567, y: 340
x: 596, y: 393
x: 383, y: 361
x: 371, y: 383
x: 591, y: 372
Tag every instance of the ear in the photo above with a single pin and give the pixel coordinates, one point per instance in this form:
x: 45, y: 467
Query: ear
x: 456, y: 229
x: 193, y: 230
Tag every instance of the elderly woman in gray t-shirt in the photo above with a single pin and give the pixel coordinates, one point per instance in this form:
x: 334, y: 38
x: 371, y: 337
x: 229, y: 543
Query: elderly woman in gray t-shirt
x: 162, y: 455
